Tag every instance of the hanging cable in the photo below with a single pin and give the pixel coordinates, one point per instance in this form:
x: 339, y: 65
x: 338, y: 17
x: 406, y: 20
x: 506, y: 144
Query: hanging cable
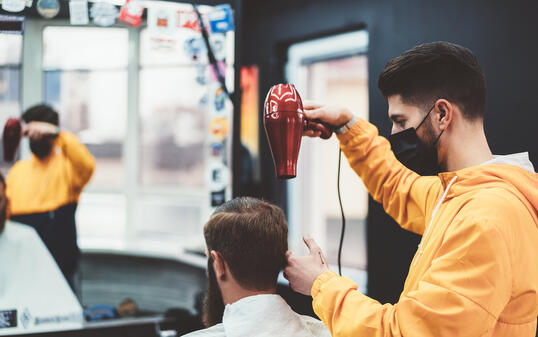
x: 211, y: 55
x: 343, y: 216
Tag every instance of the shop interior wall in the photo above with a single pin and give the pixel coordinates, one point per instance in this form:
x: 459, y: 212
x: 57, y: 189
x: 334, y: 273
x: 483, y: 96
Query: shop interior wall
x: 501, y: 34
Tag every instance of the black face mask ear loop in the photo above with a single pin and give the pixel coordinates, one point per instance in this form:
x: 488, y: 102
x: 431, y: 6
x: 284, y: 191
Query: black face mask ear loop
x: 424, y: 119
x: 443, y: 114
x: 437, y: 139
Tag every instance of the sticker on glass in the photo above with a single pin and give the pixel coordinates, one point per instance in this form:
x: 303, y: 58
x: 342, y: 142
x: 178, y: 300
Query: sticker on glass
x: 131, y: 13
x: 78, y: 12
x: 188, y: 20
x: 216, y: 149
x: 221, y: 19
x: 218, y: 198
x: 217, y: 176
x: 161, y: 20
x: 194, y: 47
x: 48, y: 8
x: 219, y: 128
x: 218, y: 45
x: 104, y: 14
x: 13, y: 5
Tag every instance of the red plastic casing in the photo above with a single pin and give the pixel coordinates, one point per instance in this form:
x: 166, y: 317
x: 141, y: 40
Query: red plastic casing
x: 284, y: 121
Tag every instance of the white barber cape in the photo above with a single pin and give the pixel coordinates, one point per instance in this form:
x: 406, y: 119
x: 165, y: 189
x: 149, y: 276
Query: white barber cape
x: 34, y: 295
x: 263, y: 315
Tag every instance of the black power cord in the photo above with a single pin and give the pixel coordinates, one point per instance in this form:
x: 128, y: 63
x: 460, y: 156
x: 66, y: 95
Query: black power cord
x: 343, y: 216
x: 211, y: 55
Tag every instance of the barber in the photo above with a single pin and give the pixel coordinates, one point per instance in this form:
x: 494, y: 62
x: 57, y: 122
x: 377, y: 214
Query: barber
x: 43, y: 191
x: 475, y: 271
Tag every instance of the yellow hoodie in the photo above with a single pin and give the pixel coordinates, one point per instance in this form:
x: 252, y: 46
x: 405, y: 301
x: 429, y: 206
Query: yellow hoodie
x: 475, y: 272
x: 37, y: 186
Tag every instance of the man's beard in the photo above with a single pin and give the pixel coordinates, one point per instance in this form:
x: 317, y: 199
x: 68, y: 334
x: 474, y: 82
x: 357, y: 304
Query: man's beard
x: 3, y: 213
x: 41, y: 148
x: 213, y: 303
x: 431, y: 140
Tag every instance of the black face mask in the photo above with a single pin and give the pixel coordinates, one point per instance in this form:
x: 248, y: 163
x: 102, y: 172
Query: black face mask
x: 41, y: 148
x: 415, y: 154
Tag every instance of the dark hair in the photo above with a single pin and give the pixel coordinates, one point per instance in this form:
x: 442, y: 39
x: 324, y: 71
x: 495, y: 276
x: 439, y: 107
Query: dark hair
x: 41, y: 113
x: 436, y: 70
x: 252, y: 237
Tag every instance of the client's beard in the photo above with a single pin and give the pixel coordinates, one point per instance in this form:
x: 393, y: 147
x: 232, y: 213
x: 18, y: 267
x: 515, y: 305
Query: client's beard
x: 213, y: 303
x: 3, y: 214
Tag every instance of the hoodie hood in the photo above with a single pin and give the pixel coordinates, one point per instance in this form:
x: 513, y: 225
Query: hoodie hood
x: 514, y: 173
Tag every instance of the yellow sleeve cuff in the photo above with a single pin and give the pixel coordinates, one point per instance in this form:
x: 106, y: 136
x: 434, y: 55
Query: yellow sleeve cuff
x: 320, y: 280
x: 354, y: 131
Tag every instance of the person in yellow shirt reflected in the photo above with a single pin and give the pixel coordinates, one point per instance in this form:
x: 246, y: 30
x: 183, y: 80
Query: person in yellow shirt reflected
x: 43, y: 191
x: 475, y: 271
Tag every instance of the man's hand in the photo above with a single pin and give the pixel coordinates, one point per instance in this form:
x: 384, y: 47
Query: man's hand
x: 37, y: 130
x: 333, y: 115
x: 302, y: 271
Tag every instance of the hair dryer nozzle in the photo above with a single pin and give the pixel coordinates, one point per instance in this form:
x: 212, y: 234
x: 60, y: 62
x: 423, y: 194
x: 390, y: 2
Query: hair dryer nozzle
x: 284, y: 121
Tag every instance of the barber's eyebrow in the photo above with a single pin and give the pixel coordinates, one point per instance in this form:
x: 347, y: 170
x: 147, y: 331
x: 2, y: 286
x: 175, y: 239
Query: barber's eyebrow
x: 395, y: 117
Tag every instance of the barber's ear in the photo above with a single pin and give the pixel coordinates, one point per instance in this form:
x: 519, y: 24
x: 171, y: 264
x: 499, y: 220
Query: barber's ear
x: 219, y: 265
x: 444, y: 111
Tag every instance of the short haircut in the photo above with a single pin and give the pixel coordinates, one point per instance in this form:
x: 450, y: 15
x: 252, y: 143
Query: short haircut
x: 41, y: 113
x: 252, y: 237
x: 437, y: 70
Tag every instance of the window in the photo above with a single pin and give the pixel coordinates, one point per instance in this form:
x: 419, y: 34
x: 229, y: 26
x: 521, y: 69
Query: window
x: 142, y: 109
x: 174, y: 95
x: 10, y: 83
x: 331, y: 70
x: 88, y: 87
x: 172, y: 114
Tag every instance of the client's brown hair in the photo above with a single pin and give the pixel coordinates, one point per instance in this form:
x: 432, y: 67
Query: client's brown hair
x: 252, y: 237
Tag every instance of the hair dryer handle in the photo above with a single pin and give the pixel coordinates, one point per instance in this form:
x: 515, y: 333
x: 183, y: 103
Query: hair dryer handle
x: 317, y: 125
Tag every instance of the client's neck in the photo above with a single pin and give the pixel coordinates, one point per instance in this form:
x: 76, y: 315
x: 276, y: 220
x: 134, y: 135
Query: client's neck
x: 235, y: 293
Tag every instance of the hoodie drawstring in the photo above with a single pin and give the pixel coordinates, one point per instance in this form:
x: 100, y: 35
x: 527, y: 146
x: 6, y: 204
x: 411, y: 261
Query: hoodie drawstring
x: 433, y: 217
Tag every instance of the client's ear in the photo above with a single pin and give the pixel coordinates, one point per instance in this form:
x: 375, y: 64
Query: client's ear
x: 219, y: 265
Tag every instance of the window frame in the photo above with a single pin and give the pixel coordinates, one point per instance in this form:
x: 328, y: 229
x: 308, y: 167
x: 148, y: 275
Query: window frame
x: 132, y: 190
x: 307, y: 52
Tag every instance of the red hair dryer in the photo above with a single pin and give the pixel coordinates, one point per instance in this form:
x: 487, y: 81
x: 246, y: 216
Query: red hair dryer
x: 284, y: 123
x: 11, y: 138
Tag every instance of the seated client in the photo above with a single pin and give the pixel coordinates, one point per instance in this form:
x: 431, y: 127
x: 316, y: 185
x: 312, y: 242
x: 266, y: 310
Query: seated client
x: 34, y: 295
x: 246, y: 242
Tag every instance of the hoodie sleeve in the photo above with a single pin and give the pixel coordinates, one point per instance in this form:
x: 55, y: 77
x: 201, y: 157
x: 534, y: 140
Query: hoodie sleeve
x: 462, y: 293
x: 403, y: 193
x: 81, y: 162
